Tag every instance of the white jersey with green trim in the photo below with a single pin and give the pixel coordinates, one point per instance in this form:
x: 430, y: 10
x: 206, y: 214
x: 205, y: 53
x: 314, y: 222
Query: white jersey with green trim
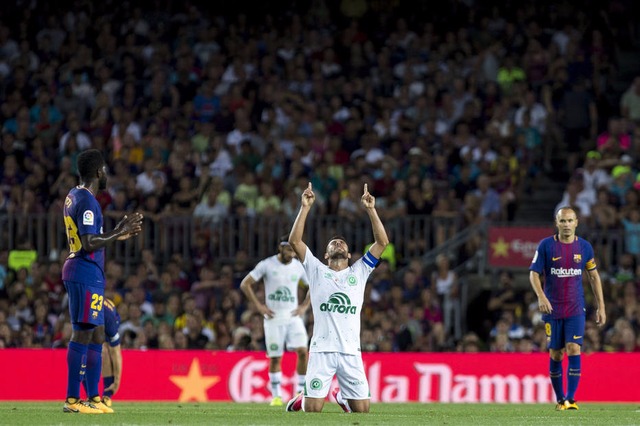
x: 280, y: 284
x: 336, y: 300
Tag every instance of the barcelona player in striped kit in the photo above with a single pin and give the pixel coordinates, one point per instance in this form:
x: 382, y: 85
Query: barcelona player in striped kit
x: 561, y: 259
x: 83, y: 277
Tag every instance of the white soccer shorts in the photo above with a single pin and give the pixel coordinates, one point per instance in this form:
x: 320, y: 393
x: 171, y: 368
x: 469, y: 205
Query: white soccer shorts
x: 291, y: 334
x: 349, y: 369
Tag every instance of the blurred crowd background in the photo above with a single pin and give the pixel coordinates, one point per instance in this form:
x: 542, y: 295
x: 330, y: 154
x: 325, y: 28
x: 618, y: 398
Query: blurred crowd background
x: 457, y: 109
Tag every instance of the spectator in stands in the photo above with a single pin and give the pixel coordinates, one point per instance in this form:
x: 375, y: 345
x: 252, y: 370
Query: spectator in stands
x: 211, y: 207
x: 447, y: 288
x: 490, y: 205
x: 412, y: 101
x: 630, y: 102
x: 614, y: 141
x: 579, y: 117
x: 505, y: 297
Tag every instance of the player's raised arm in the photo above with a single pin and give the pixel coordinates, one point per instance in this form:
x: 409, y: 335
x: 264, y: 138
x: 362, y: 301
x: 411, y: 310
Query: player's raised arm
x: 297, y: 230
x: 379, y: 234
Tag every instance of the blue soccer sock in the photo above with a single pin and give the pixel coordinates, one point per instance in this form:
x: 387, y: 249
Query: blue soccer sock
x: 106, y: 382
x: 94, y: 369
x: 555, y: 373
x: 76, y: 365
x: 573, y: 376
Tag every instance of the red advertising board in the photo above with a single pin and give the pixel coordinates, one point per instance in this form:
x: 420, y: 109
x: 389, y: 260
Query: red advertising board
x: 393, y: 377
x: 514, y: 247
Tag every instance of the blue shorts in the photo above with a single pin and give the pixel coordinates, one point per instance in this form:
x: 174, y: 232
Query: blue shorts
x: 565, y: 330
x: 85, y: 303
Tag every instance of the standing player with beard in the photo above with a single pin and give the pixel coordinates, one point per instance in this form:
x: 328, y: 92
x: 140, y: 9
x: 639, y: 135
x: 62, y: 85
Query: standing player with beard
x: 337, y: 295
x: 561, y: 259
x: 283, y: 324
x: 83, y: 277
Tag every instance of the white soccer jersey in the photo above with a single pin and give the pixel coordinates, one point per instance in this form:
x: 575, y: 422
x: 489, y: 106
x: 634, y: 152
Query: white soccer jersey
x: 280, y: 284
x: 336, y: 300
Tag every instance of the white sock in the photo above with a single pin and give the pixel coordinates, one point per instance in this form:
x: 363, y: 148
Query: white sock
x: 302, y: 406
x: 301, y: 381
x: 341, y: 400
x: 275, y: 379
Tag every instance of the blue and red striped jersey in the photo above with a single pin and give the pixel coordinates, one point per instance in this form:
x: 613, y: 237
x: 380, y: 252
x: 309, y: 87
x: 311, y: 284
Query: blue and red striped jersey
x: 82, y: 216
x: 560, y: 266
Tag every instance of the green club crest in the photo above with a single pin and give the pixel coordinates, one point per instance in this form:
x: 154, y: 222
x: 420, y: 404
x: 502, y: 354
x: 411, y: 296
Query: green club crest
x: 273, y: 346
x: 352, y: 280
x: 316, y: 384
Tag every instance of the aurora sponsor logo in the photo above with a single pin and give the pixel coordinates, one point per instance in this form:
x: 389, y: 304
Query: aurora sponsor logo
x: 282, y: 294
x: 338, y: 303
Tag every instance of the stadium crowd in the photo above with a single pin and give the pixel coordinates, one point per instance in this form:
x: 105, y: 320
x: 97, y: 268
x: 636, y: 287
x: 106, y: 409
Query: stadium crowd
x: 451, y: 109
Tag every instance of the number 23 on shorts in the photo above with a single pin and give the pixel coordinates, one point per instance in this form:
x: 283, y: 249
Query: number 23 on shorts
x: 96, y: 301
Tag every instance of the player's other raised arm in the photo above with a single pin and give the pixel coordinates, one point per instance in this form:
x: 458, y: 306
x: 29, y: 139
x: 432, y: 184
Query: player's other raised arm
x: 297, y: 230
x: 379, y: 234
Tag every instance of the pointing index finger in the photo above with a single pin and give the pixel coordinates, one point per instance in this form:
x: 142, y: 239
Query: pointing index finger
x: 309, y: 187
x: 366, y: 188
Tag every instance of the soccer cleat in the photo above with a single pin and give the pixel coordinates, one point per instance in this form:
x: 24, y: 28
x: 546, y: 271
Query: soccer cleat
x: 342, y: 404
x: 560, y: 406
x: 96, y: 402
x: 276, y: 402
x: 295, y: 404
x: 107, y: 401
x: 570, y: 404
x: 73, y: 405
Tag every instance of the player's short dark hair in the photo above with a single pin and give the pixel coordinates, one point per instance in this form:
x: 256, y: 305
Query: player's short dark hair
x: 89, y: 162
x: 338, y: 237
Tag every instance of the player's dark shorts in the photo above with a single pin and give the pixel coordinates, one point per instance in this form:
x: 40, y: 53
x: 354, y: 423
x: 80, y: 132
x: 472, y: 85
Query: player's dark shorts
x: 565, y: 330
x: 85, y: 303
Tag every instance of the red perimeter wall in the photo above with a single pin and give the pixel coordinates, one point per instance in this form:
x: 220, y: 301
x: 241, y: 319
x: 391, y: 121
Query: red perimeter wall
x: 40, y: 374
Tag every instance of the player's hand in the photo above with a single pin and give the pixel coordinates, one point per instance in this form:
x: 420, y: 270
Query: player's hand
x: 308, y: 197
x: 601, y: 317
x: 299, y: 310
x: 113, y: 387
x: 368, y: 200
x: 265, y: 311
x: 130, y: 226
x: 544, y: 305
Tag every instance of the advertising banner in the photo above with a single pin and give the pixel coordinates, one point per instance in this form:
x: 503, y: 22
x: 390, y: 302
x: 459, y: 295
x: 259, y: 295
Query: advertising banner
x: 514, y: 247
x: 393, y: 377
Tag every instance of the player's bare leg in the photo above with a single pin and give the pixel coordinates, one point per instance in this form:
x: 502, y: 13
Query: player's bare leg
x: 301, y: 367
x: 313, y: 405
x: 359, y: 405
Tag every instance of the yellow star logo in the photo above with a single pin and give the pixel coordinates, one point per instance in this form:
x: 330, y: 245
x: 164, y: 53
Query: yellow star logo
x: 194, y: 385
x: 500, y: 248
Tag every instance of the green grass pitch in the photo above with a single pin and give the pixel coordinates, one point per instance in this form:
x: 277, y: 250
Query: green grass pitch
x: 146, y: 413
